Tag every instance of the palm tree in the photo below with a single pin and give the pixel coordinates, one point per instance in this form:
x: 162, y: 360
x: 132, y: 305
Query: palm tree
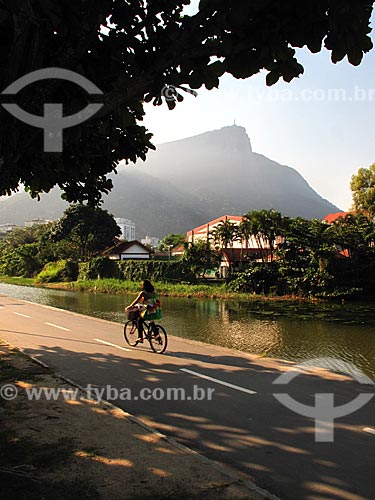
x: 264, y: 226
x: 312, y: 236
x: 224, y: 233
x: 354, y: 233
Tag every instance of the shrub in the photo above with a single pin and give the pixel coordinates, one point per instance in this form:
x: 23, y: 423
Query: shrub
x: 58, y: 271
x: 71, y: 270
x: 97, y: 268
x: 257, y: 278
x: 22, y: 261
x: 155, y: 270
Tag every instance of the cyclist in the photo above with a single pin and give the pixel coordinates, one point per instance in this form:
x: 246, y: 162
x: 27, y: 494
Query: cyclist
x: 149, y: 309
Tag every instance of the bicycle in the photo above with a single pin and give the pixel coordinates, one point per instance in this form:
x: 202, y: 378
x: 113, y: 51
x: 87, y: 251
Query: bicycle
x: 154, y: 333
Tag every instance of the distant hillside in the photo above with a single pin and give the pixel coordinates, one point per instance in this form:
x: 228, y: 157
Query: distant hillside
x: 221, y: 168
x: 188, y: 182
x: 19, y: 207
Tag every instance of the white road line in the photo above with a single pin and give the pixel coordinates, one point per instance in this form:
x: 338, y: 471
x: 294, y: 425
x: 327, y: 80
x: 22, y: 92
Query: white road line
x: 113, y: 345
x: 237, y: 387
x: 20, y: 314
x: 369, y: 430
x: 57, y: 326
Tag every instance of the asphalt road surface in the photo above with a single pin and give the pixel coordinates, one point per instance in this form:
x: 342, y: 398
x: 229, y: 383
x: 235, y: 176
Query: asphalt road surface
x: 217, y: 401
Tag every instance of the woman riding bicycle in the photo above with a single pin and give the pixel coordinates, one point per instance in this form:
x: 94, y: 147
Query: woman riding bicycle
x: 147, y: 309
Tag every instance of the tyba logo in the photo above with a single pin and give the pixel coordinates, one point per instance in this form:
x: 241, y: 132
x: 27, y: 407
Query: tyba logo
x: 324, y: 412
x: 53, y: 122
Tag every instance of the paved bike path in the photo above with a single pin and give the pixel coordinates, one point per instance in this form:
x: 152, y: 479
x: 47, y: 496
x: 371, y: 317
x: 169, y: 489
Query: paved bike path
x: 242, y: 425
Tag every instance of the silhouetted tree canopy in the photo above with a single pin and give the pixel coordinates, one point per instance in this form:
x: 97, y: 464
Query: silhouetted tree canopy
x: 148, y: 52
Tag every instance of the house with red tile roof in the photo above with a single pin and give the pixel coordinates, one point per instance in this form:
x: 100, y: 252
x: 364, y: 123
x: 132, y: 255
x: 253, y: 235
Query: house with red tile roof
x: 203, y: 232
x: 331, y: 218
x: 178, y: 250
x: 237, y: 252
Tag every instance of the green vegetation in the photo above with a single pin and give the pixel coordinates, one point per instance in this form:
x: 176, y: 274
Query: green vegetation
x: 157, y: 270
x: 295, y: 257
x: 291, y: 257
x: 163, y: 288
x: 21, y: 252
x: 170, y: 241
x: 363, y: 189
x: 117, y: 286
x: 15, y: 280
x: 200, y: 258
x: 58, y: 271
x: 80, y: 232
x: 85, y: 229
x: 98, y: 267
x: 308, y: 257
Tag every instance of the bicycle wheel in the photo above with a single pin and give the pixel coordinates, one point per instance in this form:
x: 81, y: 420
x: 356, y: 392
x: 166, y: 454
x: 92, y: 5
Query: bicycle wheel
x: 131, y: 333
x: 158, y: 339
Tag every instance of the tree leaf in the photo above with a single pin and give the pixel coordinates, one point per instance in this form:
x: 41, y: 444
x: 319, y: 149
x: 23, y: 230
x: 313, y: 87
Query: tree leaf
x: 272, y: 78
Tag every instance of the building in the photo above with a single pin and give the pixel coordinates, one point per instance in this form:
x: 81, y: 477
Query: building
x: 127, y: 229
x: 203, y: 232
x: 151, y: 241
x: 237, y: 252
x: 127, y: 250
x: 36, y: 222
x: 342, y: 253
x: 331, y: 218
x: 178, y: 251
x: 6, y: 228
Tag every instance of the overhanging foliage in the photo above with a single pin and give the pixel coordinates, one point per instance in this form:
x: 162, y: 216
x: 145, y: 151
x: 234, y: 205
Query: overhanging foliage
x: 148, y: 46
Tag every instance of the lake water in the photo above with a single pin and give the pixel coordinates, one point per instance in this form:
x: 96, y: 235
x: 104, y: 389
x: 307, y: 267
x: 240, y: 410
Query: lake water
x: 289, y: 330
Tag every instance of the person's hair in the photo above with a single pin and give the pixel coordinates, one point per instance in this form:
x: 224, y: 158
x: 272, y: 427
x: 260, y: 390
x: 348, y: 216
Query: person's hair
x: 147, y: 286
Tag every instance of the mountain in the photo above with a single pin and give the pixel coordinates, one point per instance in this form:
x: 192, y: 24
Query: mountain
x: 221, y: 168
x: 186, y: 183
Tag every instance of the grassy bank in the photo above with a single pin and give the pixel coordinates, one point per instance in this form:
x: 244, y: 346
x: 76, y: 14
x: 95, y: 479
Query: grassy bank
x: 17, y: 281
x: 115, y: 286
x: 173, y: 289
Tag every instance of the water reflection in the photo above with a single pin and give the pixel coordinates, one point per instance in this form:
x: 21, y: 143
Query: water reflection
x: 287, y: 330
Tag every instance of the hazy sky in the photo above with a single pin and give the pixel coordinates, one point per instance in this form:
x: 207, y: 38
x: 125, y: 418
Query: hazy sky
x: 320, y: 124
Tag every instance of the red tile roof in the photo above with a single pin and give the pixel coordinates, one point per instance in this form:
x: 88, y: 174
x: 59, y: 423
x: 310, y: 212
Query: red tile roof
x: 330, y: 218
x: 177, y: 250
x: 203, y: 228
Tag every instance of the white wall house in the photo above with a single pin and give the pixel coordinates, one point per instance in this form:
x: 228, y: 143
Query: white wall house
x: 237, y: 251
x: 203, y: 232
x: 36, y: 222
x: 127, y: 250
x: 127, y: 228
